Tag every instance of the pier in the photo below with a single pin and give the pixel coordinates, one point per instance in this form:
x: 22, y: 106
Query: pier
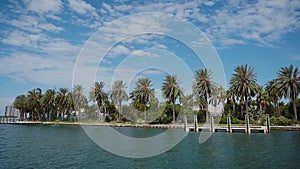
x: 229, y: 128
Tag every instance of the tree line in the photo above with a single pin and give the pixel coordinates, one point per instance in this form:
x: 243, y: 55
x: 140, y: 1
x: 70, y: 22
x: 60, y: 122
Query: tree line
x: 244, y: 96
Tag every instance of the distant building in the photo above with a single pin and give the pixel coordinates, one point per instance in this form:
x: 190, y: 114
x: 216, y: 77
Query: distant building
x: 11, y: 111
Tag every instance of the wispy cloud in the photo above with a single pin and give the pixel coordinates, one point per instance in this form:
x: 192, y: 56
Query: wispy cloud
x: 45, y: 37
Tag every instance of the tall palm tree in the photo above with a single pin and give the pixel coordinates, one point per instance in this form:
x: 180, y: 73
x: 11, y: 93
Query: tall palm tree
x: 118, y: 94
x: 289, y: 84
x: 272, y: 90
x: 48, y: 101
x: 203, y: 86
x: 244, y: 82
x: 172, y: 91
x: 99, y: 95
x: 143, y: 93
x: 78, y: 98
x: 61, y: 101
x: 34, y: 97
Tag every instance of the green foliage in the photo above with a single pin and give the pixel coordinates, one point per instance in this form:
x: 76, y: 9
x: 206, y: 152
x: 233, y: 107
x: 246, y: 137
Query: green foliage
x: 281, y: 121
x: 262, y: 121
x: 201, y: 116
x: 235, y: 120
x: 223, y: 120
x: 166, y: 116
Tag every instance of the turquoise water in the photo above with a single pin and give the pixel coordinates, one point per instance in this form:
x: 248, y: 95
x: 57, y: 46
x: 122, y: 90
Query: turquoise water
x: 69, y: 147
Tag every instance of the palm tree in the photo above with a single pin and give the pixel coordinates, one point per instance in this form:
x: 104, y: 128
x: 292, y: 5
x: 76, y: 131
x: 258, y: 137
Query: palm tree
x: 244, y: 82
x: 203, y: 86
x: 34, y: 97
x: 48, y: 101
x: 218, y: 96
x: 143, y: 93
x: 172, y: 91
x: 61, y: 101
x: 21, y: 104
x: 69, y: 103
x: 289, y: 84
x: 272, y: 90
x: 230, y: 94
x: 118, y: 94
x: 99, y: 95
x: 78, y: 98
x: 262, y: 99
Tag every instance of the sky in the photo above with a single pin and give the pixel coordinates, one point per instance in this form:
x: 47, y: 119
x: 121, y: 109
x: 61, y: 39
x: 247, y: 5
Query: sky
x: 59, y: 43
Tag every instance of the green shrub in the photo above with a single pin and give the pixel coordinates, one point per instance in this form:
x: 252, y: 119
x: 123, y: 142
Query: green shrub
x: 235, y: 121
x: 281, y: 121
x: 223, y: 120
x: 262, y: 121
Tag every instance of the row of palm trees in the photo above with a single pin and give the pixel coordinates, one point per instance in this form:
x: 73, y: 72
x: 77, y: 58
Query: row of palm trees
x: 243, y: 88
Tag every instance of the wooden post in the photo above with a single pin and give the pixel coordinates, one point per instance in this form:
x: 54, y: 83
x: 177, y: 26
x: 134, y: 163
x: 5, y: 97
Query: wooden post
x: 212, y: 127
x: 247, y: 124
x: 196, y: 129
x: 229, y: 124
x: 185, y: 126
x: 268, y: 123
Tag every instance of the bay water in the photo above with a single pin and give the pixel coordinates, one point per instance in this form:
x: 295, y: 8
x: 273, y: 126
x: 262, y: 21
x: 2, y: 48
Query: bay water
x: 59, y: 146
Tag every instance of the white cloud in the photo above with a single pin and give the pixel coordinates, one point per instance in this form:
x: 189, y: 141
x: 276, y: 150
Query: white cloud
x: 22, y: 39
x: 119, y: 50
x: 42, y: 6
x: 44, y: 70
x: 264, y: 22
x: 34, y: 24
x: 82, y: 7
x: 50, y: 27
x: 235, y: 22
x: 144, y: 53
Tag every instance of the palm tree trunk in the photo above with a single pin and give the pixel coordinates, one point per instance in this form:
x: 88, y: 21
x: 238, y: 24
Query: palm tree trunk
x: 50, y: 113
x: 246, y: 102
x: 119, y: 115
x: 104, y: 112
x: 295, y: 110
x: 260, y: 107
x: 206, y: 110
x: 264, y: 109
x: 242, y: 109
x: 173, y: 108
x: 57, y: 113
x: 277, y: 108
x: 233, y: 107
x: 145, y: 112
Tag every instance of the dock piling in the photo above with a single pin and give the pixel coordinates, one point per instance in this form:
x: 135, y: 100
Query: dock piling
x: 229, y: 124
x: 268, y: 123
x: 185, y: 126
x: 247, y: 124
x: 212, y: 127
x: 196, y: 129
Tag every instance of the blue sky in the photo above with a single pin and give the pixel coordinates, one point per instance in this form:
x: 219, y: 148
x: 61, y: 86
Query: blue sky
x: 40, y: 40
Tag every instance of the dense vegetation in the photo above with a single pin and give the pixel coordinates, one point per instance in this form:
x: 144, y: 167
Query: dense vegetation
x: 244, y: 96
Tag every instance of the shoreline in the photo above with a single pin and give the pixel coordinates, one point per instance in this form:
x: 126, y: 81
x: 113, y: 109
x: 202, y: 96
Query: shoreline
x: 162, y: 126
